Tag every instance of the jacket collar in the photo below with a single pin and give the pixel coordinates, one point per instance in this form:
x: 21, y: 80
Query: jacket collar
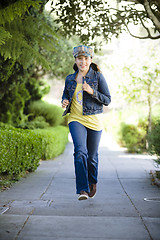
x: 88, y: 75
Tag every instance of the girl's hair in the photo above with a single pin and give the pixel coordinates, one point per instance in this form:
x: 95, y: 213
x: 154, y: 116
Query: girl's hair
x: 94, y: 66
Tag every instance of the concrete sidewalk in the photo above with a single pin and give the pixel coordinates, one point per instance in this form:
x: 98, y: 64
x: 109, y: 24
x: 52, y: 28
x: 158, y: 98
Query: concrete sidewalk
x: 44, y: 206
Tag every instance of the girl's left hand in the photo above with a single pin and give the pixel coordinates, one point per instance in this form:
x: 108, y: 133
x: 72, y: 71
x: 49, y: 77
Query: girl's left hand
x: 87, y: 88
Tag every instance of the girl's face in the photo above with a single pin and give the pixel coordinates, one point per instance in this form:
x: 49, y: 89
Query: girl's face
x: 83, y: 63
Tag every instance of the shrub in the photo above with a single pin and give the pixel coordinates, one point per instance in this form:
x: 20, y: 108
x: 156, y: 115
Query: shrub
x: 133, y: 137
x: 154, y: 140
x: 51, y: 113
x: 21, y: 150
x: 53, y: 141
x: 37, y: 122
x: 143, y: 124
x: 6, y: 126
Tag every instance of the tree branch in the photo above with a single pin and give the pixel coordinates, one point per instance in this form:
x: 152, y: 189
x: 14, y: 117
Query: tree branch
x: 140, y: 37
x: 149, y: 35
x: 151, y: 14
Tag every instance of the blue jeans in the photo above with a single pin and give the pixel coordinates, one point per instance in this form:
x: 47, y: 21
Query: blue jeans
x: 86, y: 142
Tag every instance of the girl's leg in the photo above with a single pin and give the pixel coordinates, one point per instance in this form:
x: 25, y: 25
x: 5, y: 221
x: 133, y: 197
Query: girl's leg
x: 93, y: 139
x: 79, y: 136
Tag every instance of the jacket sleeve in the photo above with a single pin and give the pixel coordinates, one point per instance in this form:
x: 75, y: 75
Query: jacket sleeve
x: 102, y: 95
x: 65, y: 92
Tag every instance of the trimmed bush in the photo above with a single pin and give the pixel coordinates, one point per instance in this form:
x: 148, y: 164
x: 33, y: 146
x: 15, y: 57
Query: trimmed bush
x: 51, y: 113
x: 53, y: 141
x: 154, y: 140
x: 37, y: 122
x: 21, y: 150
x: 133, y: 138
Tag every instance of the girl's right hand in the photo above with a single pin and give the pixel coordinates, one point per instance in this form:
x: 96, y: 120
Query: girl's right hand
x: 65, y: 103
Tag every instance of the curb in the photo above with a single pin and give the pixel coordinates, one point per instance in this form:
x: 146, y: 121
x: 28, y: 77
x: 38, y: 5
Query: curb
x: 155, y: 180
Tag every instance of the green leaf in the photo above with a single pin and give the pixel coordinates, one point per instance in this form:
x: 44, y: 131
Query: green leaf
x: 4, y: 35
x: 17, y: 9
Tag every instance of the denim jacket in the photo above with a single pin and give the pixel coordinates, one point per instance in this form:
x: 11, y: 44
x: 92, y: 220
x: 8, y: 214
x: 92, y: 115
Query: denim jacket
x: 92, y: 104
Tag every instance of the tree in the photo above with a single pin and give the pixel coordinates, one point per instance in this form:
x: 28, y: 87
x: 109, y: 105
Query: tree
x: 30, y: 35
x: 143, y: 86
x: 25, y: 32
x: 61, y: 62
x: 33, y: 49
x: 92, y: 18
x: 11, y: 10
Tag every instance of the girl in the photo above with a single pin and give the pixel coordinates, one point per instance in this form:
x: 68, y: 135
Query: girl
x: 84, y: 95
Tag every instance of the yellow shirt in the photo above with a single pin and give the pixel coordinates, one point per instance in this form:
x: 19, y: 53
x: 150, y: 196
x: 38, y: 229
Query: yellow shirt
x: 93, y: 122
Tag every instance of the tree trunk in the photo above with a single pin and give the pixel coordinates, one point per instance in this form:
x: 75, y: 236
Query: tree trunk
x: 151, y: 14
x: 149, y: 127
x: 149, y: 114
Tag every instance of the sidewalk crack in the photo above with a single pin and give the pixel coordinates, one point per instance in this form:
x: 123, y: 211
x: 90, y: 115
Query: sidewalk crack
x: 133, y: 204
x: 16, y: 238
x: 50, y: 182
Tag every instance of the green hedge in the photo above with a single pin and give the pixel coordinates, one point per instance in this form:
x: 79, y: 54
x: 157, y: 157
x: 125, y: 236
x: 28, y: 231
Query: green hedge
x: 21, y: 150
x: 154, y: 140
x: 53, y: 142
x: 51, y: 113
x: 132, y: 137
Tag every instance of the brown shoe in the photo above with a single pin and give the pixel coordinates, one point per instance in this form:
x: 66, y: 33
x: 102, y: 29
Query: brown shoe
x: 92, y: 190
x: 83, y: 195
